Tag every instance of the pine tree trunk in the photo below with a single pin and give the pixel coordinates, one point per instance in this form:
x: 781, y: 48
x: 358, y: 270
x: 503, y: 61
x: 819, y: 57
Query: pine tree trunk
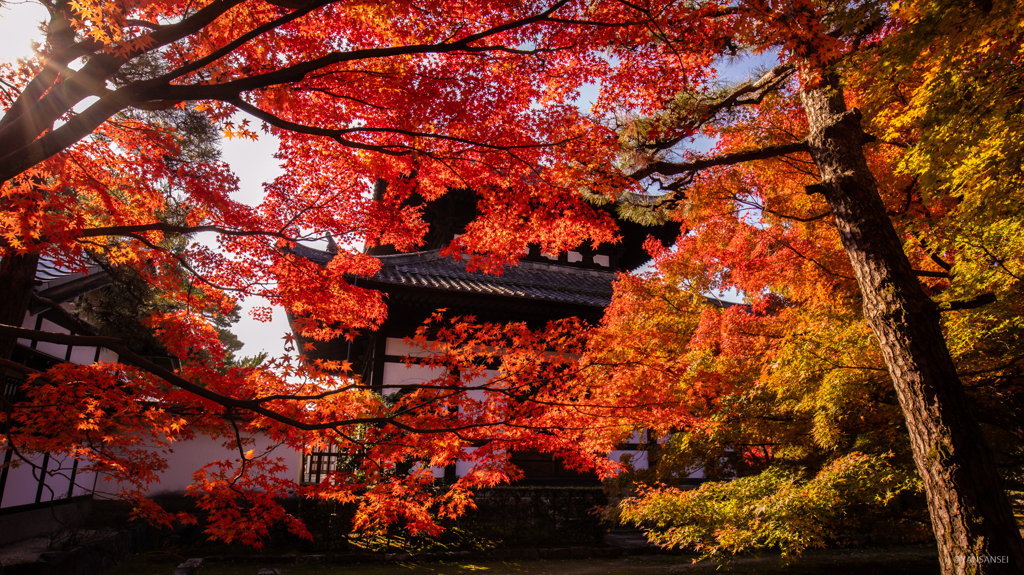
x: 970, y: 513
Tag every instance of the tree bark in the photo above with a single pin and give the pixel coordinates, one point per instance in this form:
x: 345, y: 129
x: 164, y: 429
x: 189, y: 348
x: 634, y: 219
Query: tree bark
x: 970, y: 513
x: 17, y: 278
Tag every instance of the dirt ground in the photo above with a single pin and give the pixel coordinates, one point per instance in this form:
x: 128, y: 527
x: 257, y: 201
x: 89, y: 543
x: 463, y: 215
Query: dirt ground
x: 912, y: 560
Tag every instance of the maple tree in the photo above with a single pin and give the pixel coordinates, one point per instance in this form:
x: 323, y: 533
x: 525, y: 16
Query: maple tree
x: 438, y: 95
x: 97, y: 164
x: 791, y: 157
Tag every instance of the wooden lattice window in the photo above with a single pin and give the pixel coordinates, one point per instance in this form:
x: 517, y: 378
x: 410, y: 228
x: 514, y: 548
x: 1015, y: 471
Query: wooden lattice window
x: 316, y: 465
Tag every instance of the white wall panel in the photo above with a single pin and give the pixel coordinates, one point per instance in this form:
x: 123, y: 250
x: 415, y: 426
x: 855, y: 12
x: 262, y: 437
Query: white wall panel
x: 51, y: 327
x: 397, y: 374
x: 189, y: 456
x: 396, y: 346
x: 638, y: 459
x: 22, y: 483
x: 55, y: 349
x: 83, y: 355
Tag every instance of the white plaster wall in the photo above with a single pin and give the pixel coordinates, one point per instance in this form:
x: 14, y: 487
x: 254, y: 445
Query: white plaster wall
x: 639, y: 458
x: 479, y: 394
x: 398, y: 374
x: 55, y: 349
x: 83, y: 355
x: 189, y: 456
x: 23, y: 481
x: 463, y: 467
x: 28, y: 323
x: 396, y: 346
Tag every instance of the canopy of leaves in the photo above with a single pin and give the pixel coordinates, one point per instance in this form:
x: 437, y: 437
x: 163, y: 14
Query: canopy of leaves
x: 438, y: 95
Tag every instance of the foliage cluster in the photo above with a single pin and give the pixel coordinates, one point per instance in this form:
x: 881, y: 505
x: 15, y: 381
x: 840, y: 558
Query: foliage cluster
x: 853, y: 499
x: 505, y: 516
x: 792, y: 390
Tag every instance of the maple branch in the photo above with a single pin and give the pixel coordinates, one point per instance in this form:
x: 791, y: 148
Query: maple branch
x: 230, y: 47
x: 63, y: 313
x: 132, y: 230
x: 500, y: 386
x: 241, y: 450
x: 759, y: 89
x: 762, y: 208
x: 655, y: 28
x: 931, y: 253
x: 185, y: 264
x: 836, y: 365
x: 676, y: 168
x: 345, y: 97
x: 319, y: 396
x: 1001, y: 367
x: 56, y: 66
x: 129, y: 357
x: 142, y: 24
x: 26, y: 141
x: 176, y: 229
x: 908, y: 193
x: 51, y: 143
x: 337, y: 133
x: 939, y: 261
x: 160, y: 88
x: 595, y: 23
x: 333, y: 134
x: 29, y: 145
x: 809, y: 258
x: 999, y: 262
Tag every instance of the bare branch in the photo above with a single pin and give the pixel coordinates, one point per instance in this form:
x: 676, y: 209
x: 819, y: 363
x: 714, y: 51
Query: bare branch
x: 756, y: 90
x: 129, y: 357
x: 241, y: 40
x: 976, y: 302
x: 693, y: 166
x: 63, y: 313
x: 17, y: 367
x: 180, y: 230
x: 160, y: 88
x: 337, y: 133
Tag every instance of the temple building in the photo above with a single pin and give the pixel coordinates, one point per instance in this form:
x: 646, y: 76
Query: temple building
x: 537, y: 290
x: 39, y: 498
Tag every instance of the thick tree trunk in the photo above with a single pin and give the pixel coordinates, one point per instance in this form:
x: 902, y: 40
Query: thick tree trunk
x: 970, y: 512
x: 17, y: 277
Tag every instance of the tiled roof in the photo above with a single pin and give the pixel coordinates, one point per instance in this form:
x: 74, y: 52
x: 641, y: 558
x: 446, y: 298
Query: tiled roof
x: 61, y: 284
x: 528, y: 280
x: 50, y: 274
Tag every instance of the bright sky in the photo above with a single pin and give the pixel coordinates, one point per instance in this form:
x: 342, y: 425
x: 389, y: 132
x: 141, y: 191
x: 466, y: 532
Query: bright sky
x: 19, y: 24
x: 253, y: 162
